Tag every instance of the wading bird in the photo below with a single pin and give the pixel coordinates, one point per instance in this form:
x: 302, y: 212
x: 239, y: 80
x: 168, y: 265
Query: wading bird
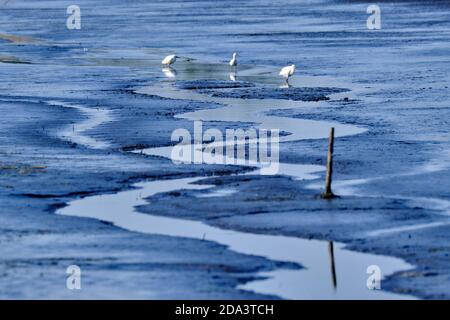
x: 169, y: 60
x: 233, y: 61
x: 287, y: 72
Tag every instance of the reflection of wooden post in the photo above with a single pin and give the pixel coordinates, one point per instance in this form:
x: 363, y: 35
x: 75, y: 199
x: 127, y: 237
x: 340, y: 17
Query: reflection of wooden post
x: 328, y: 194
x: 332, y: 265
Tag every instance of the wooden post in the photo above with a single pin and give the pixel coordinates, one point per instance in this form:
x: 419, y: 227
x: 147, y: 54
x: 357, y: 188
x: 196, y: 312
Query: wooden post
x: 328, y: 194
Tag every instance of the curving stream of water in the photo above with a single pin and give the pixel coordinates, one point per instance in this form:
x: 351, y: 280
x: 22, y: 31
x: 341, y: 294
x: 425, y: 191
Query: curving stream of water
x: 75, y: 133
x: 316, y: 279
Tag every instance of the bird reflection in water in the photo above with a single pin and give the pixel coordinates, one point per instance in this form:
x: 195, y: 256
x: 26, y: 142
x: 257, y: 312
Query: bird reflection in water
x: 286, y: 85
x: 169, y: 72
x: 233, y: 76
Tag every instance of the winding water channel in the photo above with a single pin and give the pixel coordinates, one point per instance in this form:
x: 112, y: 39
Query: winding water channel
x: 316, y: 279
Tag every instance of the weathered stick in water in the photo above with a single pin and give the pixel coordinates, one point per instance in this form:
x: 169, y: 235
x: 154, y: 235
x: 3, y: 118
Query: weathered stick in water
x: 328, y: 194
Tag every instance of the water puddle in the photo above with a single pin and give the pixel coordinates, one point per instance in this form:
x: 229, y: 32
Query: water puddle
x: 218, y: 193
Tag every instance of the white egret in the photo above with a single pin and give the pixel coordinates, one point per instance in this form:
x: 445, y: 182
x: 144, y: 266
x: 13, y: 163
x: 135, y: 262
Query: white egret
x: 169, y: 60
x: 287, y: 72
x: 233, y: 61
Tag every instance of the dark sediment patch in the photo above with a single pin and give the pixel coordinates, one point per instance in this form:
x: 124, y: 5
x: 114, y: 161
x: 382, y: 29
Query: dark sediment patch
x: 295, y: 94
x: 11, y: 59
x: 47, y: 196
x: 212, y: 84
x: 18, y: 39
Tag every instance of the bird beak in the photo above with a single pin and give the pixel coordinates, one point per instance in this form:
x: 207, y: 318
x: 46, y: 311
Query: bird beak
x: 185, y: 58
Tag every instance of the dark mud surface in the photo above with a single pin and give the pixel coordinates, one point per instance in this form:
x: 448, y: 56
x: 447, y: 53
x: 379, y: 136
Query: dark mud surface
x: 401, y: 164
x: 295, y: 94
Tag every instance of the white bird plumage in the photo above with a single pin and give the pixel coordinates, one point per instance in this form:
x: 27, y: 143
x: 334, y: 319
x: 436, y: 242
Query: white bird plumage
x: 233, y: 61
x: 169, y: 60
x: 287, y: 72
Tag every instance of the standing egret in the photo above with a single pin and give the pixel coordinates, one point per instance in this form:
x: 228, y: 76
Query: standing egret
x: 233, y: 61
x: 169, y: 60
x: 287, y: 72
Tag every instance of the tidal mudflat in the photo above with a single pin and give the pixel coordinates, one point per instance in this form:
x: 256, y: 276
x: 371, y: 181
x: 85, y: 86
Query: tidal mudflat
x: 87, y: 176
